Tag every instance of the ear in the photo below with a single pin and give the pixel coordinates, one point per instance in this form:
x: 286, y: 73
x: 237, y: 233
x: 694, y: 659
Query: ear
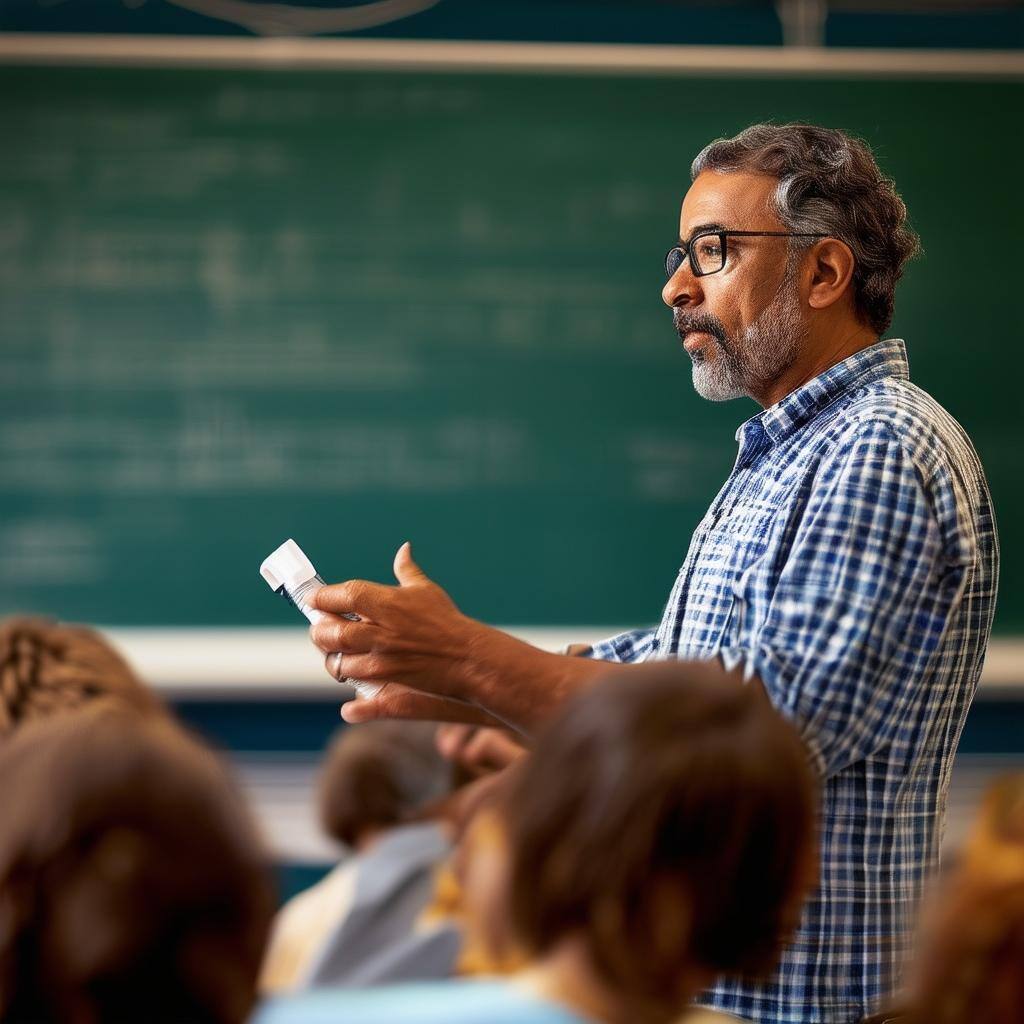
x: 831, y: 267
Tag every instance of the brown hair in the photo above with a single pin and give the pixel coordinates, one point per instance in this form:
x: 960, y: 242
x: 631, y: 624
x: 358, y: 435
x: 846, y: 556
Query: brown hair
x: 378, y: 775
x: 829, y: 183
x: 667, y: 820
x: 48, y: 667
x: 132, y: 886
x: 970, y: 967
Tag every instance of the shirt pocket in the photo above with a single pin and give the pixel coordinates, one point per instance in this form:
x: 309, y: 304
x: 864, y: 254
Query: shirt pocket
x: 750, y: 595
x: 743, y: 538
x: 751, y: 537
x: 729, y: 560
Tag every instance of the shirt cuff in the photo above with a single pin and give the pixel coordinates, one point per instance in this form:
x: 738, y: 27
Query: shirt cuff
x: 633, y: 645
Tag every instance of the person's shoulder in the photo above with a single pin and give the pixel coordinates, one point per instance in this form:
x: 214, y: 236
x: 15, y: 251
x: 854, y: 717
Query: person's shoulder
x: 443, y: 1002
x: 897, y: 412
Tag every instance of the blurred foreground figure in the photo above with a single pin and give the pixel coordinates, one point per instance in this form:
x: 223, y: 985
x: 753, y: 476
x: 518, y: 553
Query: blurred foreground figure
x: 381, y: 788
x: 48, y: 668
x: 971, y: 968
x: 132, y: 885
x: 657, y: 835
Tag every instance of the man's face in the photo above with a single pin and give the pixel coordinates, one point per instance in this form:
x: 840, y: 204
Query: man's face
x: 744, y: 326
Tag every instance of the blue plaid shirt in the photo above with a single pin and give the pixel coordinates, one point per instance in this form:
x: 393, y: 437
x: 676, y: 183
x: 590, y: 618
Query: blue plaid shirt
x: 850, y: 562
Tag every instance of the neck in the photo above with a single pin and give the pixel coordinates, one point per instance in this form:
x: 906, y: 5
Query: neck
x: 367, y: 839
x: 565, y: 975
x: 831, y: 344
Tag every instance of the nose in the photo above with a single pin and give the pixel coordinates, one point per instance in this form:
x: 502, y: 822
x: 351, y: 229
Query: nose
x: 682, y: 288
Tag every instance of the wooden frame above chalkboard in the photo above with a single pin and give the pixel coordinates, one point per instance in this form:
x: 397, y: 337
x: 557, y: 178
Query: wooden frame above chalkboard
x: 569, y: 58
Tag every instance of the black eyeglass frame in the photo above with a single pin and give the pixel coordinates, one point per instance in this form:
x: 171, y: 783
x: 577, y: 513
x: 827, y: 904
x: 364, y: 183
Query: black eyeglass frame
x: 686, y: 248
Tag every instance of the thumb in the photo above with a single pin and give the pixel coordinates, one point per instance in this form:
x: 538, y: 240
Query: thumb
x: 407, y: 572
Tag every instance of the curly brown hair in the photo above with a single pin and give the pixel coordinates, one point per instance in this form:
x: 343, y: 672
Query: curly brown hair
x: 829, y: 183
x: 48, y: 667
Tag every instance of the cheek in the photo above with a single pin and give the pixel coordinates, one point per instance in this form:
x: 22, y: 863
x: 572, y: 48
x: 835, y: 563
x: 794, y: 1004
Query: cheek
x: 760, y: 283
x: 740, y: 298
x: 721, y: 300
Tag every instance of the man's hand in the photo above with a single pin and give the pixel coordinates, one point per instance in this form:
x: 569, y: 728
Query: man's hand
x: 435, y: 662
x: 479, y: 751
x: 411, y: 634
x: 393, y: 700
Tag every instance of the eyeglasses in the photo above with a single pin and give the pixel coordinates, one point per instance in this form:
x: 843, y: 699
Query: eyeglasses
x: 708, y: 250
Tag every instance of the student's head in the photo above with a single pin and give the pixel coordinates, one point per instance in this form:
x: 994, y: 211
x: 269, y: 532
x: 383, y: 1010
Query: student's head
x: 379, y: 775
x: 663, y: 825
x: 971, y: 964
x: 756, y: 306
x: 49, y: 668
x: 132, y: 884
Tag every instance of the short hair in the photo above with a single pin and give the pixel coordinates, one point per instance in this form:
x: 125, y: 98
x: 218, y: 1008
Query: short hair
x: 379, y: 775
x: 830, y: 183
x: 667, y: 820
x: 48, y: 667
x: 132, y: 884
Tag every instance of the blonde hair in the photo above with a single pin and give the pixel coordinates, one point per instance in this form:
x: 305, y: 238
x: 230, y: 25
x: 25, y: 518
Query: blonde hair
x: 970, y: 967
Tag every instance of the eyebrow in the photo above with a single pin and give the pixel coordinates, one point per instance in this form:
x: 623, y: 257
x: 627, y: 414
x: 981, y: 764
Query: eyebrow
x: 697, y: 229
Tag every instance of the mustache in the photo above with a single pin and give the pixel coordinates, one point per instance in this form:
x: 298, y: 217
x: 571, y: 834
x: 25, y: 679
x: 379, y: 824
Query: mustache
x: 706, y: 323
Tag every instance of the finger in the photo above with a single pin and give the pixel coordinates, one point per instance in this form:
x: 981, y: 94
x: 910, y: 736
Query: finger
x: 353, y: 597
x: 364, y: 666
x: 335, y: 669
x: 491, y: 749
x: 407, y: 572
x: 337, y: 634
x: 396, y: 701
x: 450, y: 739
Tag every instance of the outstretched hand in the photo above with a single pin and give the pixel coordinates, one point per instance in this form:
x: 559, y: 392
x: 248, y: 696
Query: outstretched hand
x: 429, y: 659
x: 411, y: 634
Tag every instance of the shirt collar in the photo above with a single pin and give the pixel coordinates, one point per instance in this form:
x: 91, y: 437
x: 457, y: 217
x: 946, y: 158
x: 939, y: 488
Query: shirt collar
x: 883, y: 359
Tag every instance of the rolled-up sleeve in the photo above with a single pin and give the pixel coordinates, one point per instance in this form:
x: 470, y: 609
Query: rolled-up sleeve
x: 625, y: 648
x: 862, y: 600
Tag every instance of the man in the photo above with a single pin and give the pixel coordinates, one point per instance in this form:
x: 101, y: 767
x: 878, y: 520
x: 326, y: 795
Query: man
x: 848, y: 565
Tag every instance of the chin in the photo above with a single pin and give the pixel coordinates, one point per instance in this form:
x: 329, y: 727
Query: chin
x: 712, y: 386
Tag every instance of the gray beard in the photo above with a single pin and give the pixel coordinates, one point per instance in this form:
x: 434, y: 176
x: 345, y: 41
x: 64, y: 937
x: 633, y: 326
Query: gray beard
x: 758, y: 356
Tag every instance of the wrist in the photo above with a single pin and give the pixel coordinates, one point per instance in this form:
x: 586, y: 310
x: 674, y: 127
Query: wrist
x: 478, y: 646
x: 517, y: 682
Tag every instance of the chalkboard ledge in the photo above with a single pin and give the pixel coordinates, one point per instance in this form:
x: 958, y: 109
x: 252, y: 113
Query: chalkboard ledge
x: 260, y: 663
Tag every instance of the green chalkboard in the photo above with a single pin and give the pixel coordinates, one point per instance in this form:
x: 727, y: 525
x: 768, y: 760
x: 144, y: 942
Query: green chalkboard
x: 359, y: 307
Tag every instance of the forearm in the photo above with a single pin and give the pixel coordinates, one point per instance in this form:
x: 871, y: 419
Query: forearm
x: 518, y: 683
x: 524, y: 686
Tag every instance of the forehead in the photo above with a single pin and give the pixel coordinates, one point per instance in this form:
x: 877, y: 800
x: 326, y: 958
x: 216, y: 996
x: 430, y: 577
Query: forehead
x: 739, y: 201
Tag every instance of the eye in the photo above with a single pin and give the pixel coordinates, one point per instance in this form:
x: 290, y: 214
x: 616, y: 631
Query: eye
x: 709, y: 248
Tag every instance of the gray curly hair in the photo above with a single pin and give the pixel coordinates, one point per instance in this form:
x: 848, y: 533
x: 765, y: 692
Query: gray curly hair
x: 829, y: 183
